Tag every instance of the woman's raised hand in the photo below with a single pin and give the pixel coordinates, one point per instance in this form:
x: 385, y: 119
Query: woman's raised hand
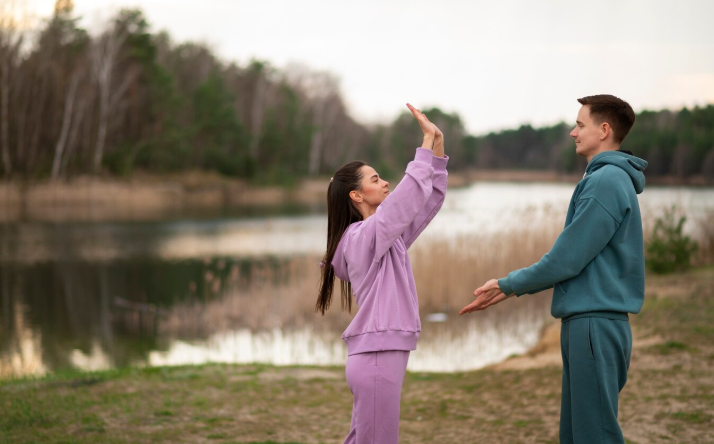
x: 428, y: 128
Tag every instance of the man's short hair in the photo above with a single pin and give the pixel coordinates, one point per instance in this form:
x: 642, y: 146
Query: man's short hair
x: 616, y: 112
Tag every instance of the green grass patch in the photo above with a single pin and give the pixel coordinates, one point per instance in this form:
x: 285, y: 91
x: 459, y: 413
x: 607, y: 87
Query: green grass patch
x: 692, y: 417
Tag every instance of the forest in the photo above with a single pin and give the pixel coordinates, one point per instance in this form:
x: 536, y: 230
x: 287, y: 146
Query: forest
x: 127, y: 100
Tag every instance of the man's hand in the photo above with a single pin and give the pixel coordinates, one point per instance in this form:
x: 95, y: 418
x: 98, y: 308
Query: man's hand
x: 487, y: 295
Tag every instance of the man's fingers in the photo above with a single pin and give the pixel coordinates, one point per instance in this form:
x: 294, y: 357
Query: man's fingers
x: 478, y: 304
x: 469, y: 308
x: 487, y: 294
x: 474, y: 306
x: 488, y: 286
x: 499, y: 298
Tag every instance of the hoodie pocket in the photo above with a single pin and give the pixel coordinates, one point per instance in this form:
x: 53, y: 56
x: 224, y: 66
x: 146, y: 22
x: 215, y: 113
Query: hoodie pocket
x: 559, y: 299
x: 563, y: 287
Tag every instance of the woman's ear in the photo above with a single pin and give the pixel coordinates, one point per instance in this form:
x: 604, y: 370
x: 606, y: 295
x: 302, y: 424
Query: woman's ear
x: 356, y: 196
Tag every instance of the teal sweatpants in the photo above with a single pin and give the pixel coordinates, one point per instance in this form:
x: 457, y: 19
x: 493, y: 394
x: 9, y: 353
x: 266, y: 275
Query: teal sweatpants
x: 596, y: 356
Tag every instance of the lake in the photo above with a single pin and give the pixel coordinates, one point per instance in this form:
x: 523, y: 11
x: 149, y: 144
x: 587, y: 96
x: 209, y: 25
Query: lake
x: 241, y: 289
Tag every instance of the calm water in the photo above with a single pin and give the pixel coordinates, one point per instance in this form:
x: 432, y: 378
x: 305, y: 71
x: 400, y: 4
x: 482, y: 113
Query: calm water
x: 240, y: 288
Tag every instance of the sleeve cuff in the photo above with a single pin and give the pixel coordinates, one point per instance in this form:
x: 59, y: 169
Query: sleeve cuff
x: 439, y: 163
x: 423, y: 155
x: 505, y: 286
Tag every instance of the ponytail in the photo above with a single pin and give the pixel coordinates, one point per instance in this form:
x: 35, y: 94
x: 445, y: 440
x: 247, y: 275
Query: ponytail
x: 341, y: 212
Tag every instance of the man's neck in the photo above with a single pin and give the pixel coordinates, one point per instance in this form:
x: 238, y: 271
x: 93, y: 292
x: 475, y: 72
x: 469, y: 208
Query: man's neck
x: 602, y: 150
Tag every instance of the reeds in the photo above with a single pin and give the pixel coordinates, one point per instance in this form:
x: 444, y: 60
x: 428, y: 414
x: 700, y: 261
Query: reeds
x: 447, y: 272
x: 280, y: 294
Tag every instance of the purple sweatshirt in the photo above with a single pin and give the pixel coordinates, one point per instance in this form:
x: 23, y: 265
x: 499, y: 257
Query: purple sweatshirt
x: 372, y: 255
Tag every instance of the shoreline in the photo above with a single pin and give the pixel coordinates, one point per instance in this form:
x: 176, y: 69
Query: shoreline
x: 157, y: 197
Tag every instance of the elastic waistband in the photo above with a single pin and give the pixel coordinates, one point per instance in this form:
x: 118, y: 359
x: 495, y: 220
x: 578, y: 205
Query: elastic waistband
x: 614, y: 315
x: 386, y: 340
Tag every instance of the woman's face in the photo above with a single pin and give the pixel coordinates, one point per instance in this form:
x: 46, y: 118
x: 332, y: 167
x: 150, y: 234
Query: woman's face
x: 374, y: 189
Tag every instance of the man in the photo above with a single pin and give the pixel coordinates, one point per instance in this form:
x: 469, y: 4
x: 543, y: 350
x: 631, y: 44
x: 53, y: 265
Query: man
x: 597, y: 270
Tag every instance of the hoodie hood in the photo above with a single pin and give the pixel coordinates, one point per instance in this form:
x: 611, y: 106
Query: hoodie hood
x: 339, y: 263
x: 633, y: 166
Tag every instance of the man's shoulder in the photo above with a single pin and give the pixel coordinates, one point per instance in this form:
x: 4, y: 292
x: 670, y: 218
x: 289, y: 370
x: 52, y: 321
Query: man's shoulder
x: 611, y: 187
x: 608, y: 179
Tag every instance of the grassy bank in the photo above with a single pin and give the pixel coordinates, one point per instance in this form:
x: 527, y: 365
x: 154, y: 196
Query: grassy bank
x: 669, y: 396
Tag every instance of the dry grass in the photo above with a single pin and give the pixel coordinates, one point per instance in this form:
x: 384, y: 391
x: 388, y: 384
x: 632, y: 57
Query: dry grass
x: 445, y: 271
x: 705, y: 228
x: 283, y: 293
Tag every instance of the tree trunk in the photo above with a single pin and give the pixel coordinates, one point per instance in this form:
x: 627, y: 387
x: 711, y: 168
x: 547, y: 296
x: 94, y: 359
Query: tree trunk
x: 104, y: 57
x: 5, y: 115
x: 72, y: 140
x: 256, y: 118
x: 66, y: 124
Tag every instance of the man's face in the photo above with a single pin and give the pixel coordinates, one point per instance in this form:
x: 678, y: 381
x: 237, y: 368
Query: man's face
x: 586, y: 133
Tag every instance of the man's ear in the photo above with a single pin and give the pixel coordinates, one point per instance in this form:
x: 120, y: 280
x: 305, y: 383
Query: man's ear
x: 605, y: 130
x: 356, y: 196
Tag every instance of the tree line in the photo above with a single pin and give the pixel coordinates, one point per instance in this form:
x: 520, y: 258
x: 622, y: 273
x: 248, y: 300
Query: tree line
x: 127, y: 100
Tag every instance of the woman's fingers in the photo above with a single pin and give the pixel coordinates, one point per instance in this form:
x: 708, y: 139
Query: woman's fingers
x: 426, y: 127
x: 420, y: 116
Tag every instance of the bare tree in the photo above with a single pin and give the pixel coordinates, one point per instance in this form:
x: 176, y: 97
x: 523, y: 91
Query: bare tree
x: 67, y: 116
x: 105, y: 56
x: 10, y: 41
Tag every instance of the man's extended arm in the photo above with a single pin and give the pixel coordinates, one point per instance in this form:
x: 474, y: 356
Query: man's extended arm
x: 580, y: 242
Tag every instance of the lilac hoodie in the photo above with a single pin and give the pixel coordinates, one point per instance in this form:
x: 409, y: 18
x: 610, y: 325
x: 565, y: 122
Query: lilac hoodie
x: 372, y: 255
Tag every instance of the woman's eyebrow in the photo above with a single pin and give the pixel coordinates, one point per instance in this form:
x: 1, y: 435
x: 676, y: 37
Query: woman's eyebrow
x: 376, y: 175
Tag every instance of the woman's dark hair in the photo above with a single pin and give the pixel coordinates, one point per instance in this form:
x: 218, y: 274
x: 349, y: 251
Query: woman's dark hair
x: 341, y: 212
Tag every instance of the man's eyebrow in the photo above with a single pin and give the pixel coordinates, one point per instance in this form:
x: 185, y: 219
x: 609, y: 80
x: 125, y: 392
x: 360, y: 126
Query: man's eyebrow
x: 578, y: 122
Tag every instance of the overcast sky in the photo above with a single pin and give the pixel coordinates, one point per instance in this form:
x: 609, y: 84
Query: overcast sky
x: 498, y: 64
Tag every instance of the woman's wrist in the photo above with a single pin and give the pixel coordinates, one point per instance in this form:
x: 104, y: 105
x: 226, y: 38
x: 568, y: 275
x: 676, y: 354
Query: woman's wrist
x: 428, y: 142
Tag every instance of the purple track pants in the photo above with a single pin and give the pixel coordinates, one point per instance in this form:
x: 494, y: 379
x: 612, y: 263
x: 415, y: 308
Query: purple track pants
x: 375, y: 380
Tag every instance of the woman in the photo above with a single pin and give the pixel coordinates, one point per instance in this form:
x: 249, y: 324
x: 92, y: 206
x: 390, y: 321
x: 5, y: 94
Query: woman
x: 368, y: 233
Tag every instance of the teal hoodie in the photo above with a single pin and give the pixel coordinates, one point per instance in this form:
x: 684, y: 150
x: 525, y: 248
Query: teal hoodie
x: 597, y: 264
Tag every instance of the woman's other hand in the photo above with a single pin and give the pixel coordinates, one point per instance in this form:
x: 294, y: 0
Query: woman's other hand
x: 438, y: 142
x: 427, y: 127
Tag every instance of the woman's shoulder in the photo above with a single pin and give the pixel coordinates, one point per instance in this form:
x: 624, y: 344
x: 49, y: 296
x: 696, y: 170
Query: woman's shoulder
x: 354, y: 235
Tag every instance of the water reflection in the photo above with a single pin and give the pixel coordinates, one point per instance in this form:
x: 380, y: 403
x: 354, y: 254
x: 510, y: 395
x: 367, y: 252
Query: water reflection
x: 94, y: 316
x: 22, y: 349
x: 462, y: 344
